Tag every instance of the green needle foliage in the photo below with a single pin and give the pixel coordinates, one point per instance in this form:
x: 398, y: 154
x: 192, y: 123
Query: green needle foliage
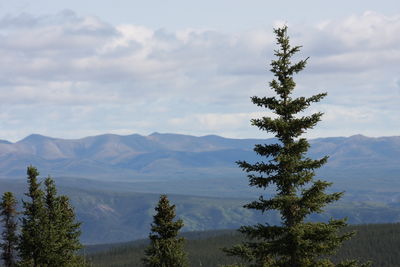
x: 9, y: 235
x: 50, y: 233
x: 33, y: 240
x: 166, y: 248
x: 294, y: 243
x: 62, y: 231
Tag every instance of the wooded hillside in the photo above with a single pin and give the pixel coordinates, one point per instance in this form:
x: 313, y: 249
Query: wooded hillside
x: 377, y: 242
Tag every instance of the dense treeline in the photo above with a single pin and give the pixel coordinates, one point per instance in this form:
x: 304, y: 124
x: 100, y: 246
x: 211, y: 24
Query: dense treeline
x: 377, y: 242
x: 203, y: 248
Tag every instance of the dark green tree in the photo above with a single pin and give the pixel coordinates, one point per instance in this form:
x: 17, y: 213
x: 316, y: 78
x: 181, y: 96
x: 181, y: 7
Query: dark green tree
x: 166, y: 248
x: 32, y: 245
x: 9, y: 235
x: 50, y: 233
x: 51, y: 221
x: 61, y: 231
x: 294, y: 243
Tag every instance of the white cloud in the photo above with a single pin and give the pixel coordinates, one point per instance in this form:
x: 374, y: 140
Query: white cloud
x: 358, y: 43
x: 97, y: 77
x: 226, y: 124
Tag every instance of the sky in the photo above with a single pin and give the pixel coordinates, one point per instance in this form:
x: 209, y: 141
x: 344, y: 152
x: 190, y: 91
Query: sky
x: 70, y: 69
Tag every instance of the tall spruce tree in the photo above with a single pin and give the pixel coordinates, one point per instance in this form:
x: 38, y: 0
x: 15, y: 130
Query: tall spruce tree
x: 51, y: 221
x: 9, y: 234
x: 294, y: 243
x: 32, y: 245
x: 166, y: 248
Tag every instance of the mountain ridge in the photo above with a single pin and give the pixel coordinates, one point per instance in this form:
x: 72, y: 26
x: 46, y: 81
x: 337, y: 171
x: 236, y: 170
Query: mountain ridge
x: 168, y: 155
x: 114, y: 181
x: 36, y: 135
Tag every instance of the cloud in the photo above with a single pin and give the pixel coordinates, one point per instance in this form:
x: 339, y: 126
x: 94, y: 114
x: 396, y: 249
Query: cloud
x: 225, y: 124
x: 216, y: 121
x: 357, y: 43
x: 97, y: 77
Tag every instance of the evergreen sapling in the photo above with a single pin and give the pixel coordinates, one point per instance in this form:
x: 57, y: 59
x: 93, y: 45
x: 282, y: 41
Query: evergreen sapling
x: 166, y: 248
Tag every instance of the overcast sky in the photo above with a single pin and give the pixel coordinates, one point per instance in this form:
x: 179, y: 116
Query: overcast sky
x: 70, y: 69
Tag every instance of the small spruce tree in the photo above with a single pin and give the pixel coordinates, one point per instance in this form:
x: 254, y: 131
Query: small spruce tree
x: 9, y: 235
x: 62, y: 231
x: 166, y: 248
x: 294, y: 243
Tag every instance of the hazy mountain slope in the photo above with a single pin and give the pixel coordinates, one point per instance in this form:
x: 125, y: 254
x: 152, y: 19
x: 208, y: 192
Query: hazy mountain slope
x: 359, y: 151
x: 205, y: 165
x: 117, y: 216
x: 161, y: 155
x: 178, y: 142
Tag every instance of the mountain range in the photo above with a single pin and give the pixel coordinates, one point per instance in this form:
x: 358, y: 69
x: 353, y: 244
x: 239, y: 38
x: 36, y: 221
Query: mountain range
x: 163, y: 155
x: 114, y: 181
x: 356, y: 163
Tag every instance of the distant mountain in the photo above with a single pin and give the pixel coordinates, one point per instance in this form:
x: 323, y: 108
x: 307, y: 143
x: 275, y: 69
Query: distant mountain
x: 164, y: 154
x: 114, y: 181
x: 129, y: 156
x: 360, y: 161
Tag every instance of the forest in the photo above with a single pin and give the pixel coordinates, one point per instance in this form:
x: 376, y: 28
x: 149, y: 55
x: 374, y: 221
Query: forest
x: 376, y: 242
